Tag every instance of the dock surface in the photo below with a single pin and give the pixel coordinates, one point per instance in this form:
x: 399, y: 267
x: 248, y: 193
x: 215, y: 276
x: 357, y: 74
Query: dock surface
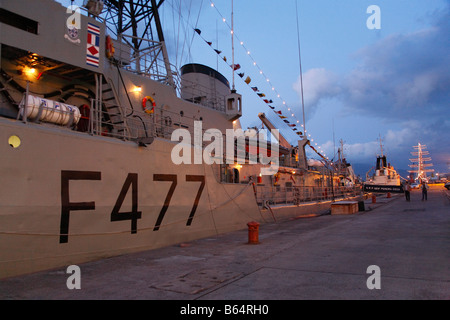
x: 325, y: 257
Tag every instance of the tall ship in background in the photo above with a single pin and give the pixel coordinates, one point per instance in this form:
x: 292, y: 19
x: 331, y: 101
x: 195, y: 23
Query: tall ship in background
x: 89, y: 103
x: 420, y: 165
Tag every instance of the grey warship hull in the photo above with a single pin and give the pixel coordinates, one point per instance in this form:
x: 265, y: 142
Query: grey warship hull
x: 86, y: 146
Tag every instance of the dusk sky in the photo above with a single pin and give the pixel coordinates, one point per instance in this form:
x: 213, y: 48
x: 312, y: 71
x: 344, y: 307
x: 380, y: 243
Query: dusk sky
x: 359, y: 83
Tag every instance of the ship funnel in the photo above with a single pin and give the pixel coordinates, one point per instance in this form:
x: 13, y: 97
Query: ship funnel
x: 205, y: 86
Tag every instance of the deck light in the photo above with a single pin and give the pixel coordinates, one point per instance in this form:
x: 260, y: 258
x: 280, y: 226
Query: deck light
x: 137, y: 89
x: 29, y: 71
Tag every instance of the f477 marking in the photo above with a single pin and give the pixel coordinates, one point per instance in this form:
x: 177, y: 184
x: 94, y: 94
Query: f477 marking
x: 116, y: 215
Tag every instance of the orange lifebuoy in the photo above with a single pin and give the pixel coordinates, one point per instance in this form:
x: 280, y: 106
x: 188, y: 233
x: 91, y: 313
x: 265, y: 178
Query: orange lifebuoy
x: 276, y: 178
x: 145, y: 107
x: 109, y: 47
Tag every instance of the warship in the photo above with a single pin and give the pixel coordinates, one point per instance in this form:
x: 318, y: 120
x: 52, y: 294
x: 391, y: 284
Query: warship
x: 92, y: 116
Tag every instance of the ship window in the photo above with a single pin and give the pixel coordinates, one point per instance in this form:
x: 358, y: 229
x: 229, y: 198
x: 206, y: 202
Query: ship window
x: 14, y: 141
x: 230, y: 104
x: 18, y: 21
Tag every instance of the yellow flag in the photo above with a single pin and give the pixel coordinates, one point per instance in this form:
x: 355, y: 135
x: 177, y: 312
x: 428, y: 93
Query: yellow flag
x: 247, y: 80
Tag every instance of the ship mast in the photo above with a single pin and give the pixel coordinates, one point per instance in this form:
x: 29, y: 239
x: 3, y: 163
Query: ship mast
x: 301, y: 72
x: 161, y: 40
x: 131, y: 22
x: 419, y: 162
x: 232, y: 42
x: 381, y: 146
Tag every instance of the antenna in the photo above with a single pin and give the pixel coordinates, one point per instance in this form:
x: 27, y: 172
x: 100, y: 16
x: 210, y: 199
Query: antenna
x: 381, y: 145
x: 232, y: 42
x: 301, y: 73
x: 334, y: 141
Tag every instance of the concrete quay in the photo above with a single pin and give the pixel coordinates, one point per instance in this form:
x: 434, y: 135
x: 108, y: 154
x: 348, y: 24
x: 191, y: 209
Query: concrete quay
x: 400, y: 249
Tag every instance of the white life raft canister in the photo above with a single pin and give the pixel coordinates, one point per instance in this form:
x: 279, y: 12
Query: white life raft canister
x: 52, y: 111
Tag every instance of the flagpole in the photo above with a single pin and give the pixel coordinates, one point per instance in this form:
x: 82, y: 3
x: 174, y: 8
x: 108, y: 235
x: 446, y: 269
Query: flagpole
x: 301, y: 73
x: 232, y: 42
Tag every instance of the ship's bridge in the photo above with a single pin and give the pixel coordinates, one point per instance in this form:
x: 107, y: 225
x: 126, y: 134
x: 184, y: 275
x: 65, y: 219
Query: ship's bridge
x: 205, y: 86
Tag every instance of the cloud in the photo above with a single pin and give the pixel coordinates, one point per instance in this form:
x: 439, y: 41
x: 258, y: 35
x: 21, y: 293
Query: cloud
x: 403, y: 75
x: 406, y: 75
x: 362, y: 151
x: 356, y: 151
x: 402, y: 80
x: 318, y: 84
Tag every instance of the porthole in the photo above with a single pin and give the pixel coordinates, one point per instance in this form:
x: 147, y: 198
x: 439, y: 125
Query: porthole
x: 14, y: 141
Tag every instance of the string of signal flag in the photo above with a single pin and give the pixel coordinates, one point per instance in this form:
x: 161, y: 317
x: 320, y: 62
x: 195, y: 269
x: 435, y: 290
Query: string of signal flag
x: 236, y: 67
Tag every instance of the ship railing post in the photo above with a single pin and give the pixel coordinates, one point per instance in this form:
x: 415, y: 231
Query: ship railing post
x: 24, y: 115
x: 154, y: 133
x: 99, y: 102
x: 93, y: 107
x: 91, y: 118
x: 94, y: 117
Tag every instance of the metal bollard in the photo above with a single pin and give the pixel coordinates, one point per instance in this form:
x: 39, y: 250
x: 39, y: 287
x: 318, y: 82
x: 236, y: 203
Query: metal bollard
x: 374, y: 198
x: 388, y: 195
x: 253, y: 229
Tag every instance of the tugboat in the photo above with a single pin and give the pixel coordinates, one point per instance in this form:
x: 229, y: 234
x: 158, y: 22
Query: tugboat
x: 384, y: 179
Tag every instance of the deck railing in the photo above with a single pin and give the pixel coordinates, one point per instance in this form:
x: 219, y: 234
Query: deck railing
x: 276, y: 195
x: 132, y: 124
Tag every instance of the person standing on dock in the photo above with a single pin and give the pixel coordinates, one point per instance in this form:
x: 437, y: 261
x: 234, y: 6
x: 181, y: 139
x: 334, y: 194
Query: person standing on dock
x: 424, y: 188
x: 408, y: 191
